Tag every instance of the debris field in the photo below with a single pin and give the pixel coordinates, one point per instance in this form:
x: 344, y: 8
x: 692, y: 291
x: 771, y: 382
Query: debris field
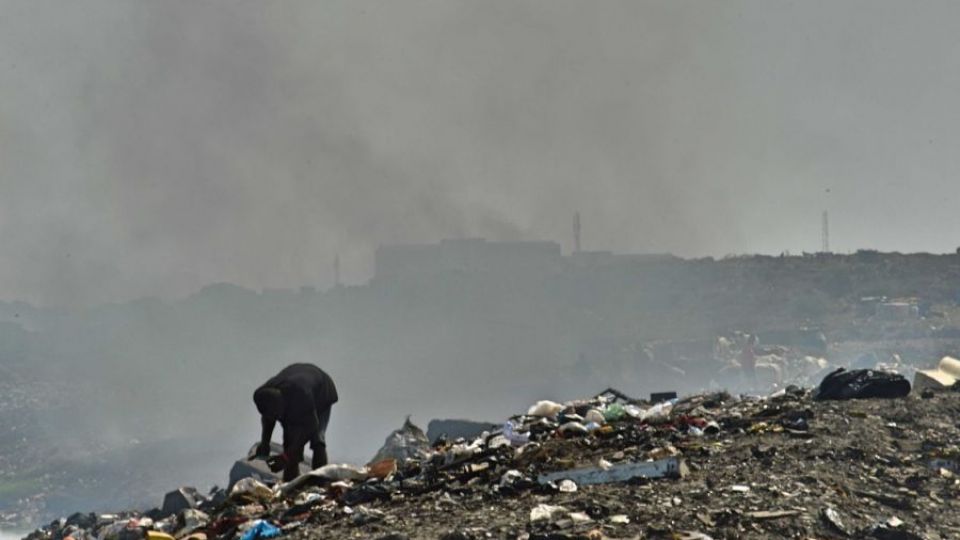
x: 708, y: 466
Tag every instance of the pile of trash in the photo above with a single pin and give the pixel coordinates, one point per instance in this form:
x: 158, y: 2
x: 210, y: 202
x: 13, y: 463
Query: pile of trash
x: 798, y: 463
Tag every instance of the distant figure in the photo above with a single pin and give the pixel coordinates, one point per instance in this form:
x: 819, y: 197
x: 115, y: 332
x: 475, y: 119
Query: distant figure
x: 300, y: 398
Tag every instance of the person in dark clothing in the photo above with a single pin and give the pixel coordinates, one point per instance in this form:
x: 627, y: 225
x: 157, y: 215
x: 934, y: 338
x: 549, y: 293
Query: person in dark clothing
x: 300, y: 398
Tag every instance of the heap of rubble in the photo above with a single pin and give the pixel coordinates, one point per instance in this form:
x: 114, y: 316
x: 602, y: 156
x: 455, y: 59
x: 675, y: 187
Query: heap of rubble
x: 705, y: 466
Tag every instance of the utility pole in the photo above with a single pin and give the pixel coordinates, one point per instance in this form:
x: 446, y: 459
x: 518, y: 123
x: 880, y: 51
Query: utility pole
x: 576, y: 232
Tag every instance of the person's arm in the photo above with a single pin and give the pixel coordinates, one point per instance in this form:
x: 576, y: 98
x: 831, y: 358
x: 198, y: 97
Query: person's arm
x: 313, y: 422
x: 266, y: 433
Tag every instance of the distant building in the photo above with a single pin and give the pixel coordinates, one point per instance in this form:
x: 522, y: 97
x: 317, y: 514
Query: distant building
x: 474, y: 255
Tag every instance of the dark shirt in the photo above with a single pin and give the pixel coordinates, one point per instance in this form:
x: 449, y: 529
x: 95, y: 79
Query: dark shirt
x: 306, y: 389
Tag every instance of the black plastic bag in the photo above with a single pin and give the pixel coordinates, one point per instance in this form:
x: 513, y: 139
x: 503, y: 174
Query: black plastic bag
x: 861, y: 384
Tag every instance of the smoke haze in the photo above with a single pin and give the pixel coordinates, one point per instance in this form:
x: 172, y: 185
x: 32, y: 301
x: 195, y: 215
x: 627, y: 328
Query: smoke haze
x: 151, y: 148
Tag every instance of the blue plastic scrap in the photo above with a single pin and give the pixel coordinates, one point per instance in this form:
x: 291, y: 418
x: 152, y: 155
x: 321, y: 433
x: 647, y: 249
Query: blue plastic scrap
x: 261, y: 529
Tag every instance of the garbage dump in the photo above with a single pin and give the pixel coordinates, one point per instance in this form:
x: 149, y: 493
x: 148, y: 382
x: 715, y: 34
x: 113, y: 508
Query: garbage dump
x: 706, y: 466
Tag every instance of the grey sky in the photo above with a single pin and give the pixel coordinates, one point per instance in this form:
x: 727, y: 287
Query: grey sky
x: 153, y: 147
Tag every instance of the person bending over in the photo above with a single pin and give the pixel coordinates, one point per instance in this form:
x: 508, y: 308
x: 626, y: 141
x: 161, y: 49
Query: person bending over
x: 300, y: 398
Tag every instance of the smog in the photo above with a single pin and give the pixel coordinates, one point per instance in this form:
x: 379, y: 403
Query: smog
x: 456, y: 210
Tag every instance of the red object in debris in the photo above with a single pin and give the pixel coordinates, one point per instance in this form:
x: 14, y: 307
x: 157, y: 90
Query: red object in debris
x: 695, y: 421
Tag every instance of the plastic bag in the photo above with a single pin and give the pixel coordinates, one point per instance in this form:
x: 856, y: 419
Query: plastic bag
x: 594, y: 416
x: 659, y: 412
x: 252, y: 488
x: 261, y: 529
x: 614, y: 412
x: 862, y: 384
x: 545, y: 408
x: 511, y: 434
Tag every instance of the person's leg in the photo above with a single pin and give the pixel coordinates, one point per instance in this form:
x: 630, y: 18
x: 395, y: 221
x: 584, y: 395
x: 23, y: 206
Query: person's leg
x: 319, y: 441
x: 293, y: 443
